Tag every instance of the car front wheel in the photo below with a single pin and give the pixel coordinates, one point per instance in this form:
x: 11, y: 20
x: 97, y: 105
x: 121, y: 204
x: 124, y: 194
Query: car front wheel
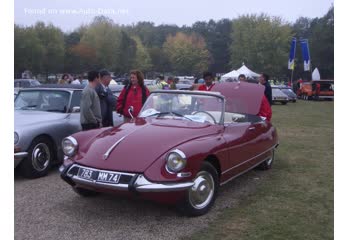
x: 201, y: 196
x: 39, y: 159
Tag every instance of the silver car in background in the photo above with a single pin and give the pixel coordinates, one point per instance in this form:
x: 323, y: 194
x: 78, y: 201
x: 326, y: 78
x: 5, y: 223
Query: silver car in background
x: 279, y: 96
x: 43, y: 117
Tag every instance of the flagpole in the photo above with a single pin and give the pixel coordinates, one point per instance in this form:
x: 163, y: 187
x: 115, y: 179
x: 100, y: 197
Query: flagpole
x: 308, y: 50
x: 292, y: 73
x: 291, y: 79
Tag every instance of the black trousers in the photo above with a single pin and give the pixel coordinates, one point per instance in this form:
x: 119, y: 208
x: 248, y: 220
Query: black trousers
x: 88, y: 126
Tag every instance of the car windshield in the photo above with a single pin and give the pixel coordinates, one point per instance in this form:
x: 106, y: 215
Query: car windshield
x: 189, y: 106
x: 42, y: 100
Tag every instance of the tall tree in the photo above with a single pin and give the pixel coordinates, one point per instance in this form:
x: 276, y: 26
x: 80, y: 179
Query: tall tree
x: 103, y: 36
x: 52, y: 39
x: 142, y: 59
x: 187, y: 53
x: 28, y: 51
x: 262, y: 43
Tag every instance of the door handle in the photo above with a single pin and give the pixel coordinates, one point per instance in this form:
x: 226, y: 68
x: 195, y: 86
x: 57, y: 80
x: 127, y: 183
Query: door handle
x: 251, y: 128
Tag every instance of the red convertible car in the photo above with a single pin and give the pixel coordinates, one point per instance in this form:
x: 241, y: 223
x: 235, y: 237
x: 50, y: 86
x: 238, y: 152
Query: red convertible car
x: 179, y: 150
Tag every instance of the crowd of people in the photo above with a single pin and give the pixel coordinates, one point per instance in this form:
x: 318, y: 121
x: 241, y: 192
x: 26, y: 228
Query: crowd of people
x: 98, y: 102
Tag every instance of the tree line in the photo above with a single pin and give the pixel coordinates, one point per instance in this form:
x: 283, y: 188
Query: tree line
x: 260, y: 41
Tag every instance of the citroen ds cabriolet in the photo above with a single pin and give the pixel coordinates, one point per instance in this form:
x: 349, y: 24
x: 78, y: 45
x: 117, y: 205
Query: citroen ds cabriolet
x: 180, y: 148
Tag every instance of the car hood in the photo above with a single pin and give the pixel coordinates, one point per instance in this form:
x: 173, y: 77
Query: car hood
x: 141, y: 142
x: 29, y: 118
x: 241, y: 97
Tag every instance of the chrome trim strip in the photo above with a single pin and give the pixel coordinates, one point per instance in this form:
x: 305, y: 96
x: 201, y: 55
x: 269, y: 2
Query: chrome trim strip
x: 243, y: 172
x: 143, y: 185
x: 106, y: 155
x: 250, y: 159
x: 20, y: 155
x: 97, y: 184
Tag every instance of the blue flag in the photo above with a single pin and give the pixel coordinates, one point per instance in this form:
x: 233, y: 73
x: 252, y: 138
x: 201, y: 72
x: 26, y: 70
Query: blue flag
x: 292, y: 54
x: 306, y: 54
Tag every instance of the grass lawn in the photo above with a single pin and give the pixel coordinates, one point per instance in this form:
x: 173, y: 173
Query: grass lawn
x: 295, y: 198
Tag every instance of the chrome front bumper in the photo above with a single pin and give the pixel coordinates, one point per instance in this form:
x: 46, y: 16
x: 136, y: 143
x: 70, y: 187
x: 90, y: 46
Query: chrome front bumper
x: 137, y: 183
x: 19, y: 156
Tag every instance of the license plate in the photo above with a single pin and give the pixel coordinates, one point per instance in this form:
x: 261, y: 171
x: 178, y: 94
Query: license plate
x: 85, y: 173
x: 98, y: 176
x: 108, y: 177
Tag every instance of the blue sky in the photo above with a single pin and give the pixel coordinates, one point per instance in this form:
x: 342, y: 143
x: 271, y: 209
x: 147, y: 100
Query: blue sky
x: 69, y: 14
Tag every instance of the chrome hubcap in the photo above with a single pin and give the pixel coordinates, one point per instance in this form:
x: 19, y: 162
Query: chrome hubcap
x: 41, y: 157
x: 202, y: 192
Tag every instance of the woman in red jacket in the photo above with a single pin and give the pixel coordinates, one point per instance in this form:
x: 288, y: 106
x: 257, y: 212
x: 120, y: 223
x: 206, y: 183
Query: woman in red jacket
x: 133, y: 96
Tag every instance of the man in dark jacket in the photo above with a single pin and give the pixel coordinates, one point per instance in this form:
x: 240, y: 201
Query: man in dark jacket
x: 264, y: 80
x: 107, y: 99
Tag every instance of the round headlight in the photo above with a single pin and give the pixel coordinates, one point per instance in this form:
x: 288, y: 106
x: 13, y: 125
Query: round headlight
x: 176, y: 161
x: 69, y: 146
x: 16, y: 138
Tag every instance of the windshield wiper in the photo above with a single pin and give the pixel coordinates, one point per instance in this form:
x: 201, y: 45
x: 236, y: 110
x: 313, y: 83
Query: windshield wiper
x: 28, y: 106
x: 54, y: 110
x: 172, y: 113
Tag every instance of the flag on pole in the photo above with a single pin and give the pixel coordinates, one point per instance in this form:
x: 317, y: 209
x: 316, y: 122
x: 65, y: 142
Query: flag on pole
x: 306, y: 54
x: 292, y: 54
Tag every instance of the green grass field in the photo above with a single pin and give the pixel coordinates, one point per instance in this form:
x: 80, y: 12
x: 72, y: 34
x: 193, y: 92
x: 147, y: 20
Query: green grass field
x: 295, y: 200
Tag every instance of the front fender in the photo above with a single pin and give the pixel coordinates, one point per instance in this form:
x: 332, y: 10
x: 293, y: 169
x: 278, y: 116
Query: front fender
x: 196, y: 152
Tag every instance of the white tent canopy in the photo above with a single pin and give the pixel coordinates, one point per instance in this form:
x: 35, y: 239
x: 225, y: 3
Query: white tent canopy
x: 242, y: 70
x: 316, y: 75
x: 247, y: 72
x: 232, y: 74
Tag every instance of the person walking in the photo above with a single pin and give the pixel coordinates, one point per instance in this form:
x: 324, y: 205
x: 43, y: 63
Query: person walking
x: 264, y: 80
x: 90, y: 109
x: 133, y: 96
x: 107, y: 99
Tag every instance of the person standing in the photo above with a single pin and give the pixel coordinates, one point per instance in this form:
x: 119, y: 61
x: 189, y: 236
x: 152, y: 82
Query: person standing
x: 265, y: 107
x: 107, y: 99
x: 133, y: 96
x: 242, y: 78
x: 90, y: 109
x: 208, y: 79
x: 264, y: 80
x: 64, y: 80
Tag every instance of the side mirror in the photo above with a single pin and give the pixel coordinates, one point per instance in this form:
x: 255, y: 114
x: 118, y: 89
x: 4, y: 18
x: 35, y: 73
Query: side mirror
x: 75, y: 109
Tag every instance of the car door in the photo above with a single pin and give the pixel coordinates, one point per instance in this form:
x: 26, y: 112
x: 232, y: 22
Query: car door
x: 244, y: 145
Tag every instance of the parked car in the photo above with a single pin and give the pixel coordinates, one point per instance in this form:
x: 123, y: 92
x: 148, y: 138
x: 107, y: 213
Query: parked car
x: 183, y: 86
x: 43, y: 117
x: 279, y: 96
x: 316, y: 90
x: 292, y: 97
x: 179, y: 150
x: 116, y: 89
x: 24, y: 83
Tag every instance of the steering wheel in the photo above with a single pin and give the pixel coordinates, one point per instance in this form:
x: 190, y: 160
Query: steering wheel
x: 211, y: 116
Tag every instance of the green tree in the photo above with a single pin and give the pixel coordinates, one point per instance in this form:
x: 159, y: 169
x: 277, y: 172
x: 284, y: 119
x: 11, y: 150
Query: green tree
x: 52, y: 39
x: 217, y: 37
x: 28, y: 51
x: 142, y: 59
x: 262, y: 43
x: 127, y: 53
x: 187, y: 53
x: 102, y: 36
